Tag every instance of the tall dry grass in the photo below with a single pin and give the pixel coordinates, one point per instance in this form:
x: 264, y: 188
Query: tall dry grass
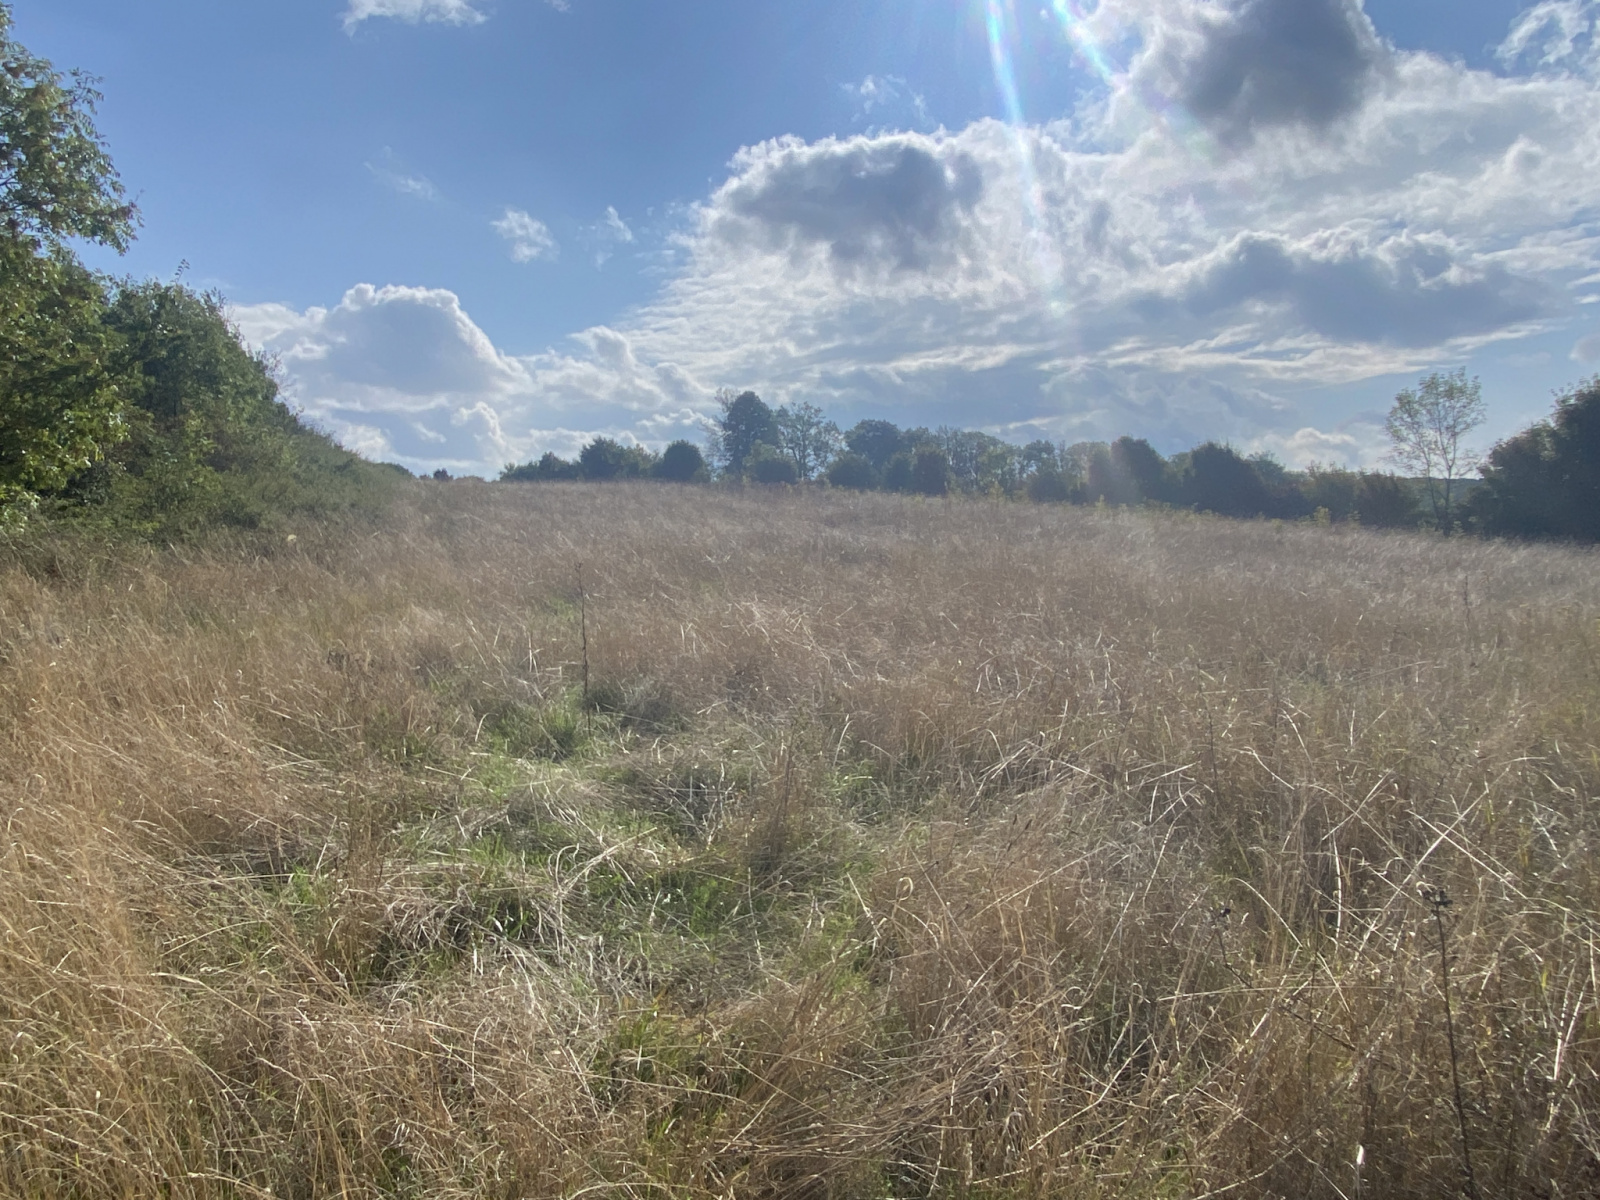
x: 900, y: 849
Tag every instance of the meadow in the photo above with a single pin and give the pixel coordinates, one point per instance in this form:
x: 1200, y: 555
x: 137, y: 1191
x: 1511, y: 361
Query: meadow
x: 646, y: 841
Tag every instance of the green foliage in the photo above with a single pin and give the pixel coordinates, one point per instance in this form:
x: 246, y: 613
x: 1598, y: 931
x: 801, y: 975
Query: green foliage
x: 746, y: 423
x: 930, y: 471
x: 1146, y: 474
x: 60, y: 407
x: 682, y: 462
x: 605, y: 458
x: 1428, y: 426
x: 209, y: 443
x: 769, y: 465
x: 56, y: 180
x: 851, y: 470
x: 1217, y: 479
x: 807, y: 437
x: 1545, y: 482
x: 550, y: 468
x: 875, y: 441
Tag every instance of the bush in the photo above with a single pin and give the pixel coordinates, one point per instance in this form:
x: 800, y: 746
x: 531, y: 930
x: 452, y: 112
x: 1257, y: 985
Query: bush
x: 930, y: 471
x: 1049, y: 486
x: 208, y: 442
x: 1216, y: 479
x: 682, y: 462
x: 605, y: 458
x: 1545, y: 482
x: 852, y: 471
x: 770, y: 467
x: 549, y: 468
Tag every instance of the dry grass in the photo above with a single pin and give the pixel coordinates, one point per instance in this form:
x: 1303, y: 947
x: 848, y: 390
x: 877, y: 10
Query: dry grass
x: 902, y: 849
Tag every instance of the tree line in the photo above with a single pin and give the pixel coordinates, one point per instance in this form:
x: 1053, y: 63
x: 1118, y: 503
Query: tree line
x: 1545, y: 482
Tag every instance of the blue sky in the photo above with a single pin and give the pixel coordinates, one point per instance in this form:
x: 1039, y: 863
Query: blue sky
x: 474, y: 230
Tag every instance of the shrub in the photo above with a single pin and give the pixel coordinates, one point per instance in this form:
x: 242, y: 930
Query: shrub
x: 768, y: 466
x: 682, y: 462
x: 852, y: 471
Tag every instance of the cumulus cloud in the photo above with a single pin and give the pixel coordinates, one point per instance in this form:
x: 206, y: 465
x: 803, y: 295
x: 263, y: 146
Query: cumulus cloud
x: 1404, y: 290
x: 1240, y: 66
x: 1210, y: 247
x: 405, y: 374
x: 530, y: 238
x: 895, y: 201
x: 445, y: 12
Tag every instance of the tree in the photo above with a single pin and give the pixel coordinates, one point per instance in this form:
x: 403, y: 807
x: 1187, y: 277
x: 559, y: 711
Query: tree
x: 875, y: 441
x: 746, y: 423
x: 550, y: 467
x: 930, y: 471
x: 606, y: 458
x: 772, y: 466
x: 851, y: 470
x: 1545, y: 482
x: 56, y: 179
x: 1216, y: 479
x: 807, y: 436
x: 59, y: 404
x: 682, y: 462
x: 1141, y: 465
x: 1428, y: 426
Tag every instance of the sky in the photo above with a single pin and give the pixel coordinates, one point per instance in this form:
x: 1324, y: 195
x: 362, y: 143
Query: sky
x: 471, y: 231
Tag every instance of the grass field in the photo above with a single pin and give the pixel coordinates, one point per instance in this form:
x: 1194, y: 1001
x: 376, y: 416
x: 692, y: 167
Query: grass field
x: 871, y: 848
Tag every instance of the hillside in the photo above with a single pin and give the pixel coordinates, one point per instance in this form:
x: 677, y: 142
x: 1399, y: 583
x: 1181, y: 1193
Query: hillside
x: 644, y: 841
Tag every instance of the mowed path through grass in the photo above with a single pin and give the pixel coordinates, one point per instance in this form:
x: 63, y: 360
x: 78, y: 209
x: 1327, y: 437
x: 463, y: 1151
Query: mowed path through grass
x: 639, y: 841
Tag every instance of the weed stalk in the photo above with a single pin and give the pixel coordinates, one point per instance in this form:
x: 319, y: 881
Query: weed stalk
x: 1438, y: 900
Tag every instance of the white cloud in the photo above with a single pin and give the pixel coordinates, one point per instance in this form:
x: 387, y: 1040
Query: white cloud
x: 887, y: 96
x: 530, y: 239
x: 1207, y: 248
x: 608, y: 234
x: 445, y: 12
x: 1550, y: 33
x: 389, y: 171
x: 404, y: 374
x: 1587, y: 350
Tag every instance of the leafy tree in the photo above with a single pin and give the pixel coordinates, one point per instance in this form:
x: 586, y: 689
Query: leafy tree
x: 1428, y: 426
x: 1090, y: 463
x: 1047, y: 485
x: 60, y: 406
x: 682, y: 462
x: 1385, y: 501
x: 605, y: 458
x: 1143, y: 470
x: 930, y: 471
x: 549, y: 468
x: 746, y: 423
x: 897, y: 472
x: 1545, y: 482
x: 56, y: 179
x: 875, y: 441
x: 807, y: 436
x: 851, y: 470
x: 1216, y: 479
x: 209, y: 441
x: 771, y: 466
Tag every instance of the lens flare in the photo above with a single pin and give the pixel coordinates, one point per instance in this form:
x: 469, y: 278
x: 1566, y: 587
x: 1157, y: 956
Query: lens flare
x: 1165, y: 112
x: 1001, y: 23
